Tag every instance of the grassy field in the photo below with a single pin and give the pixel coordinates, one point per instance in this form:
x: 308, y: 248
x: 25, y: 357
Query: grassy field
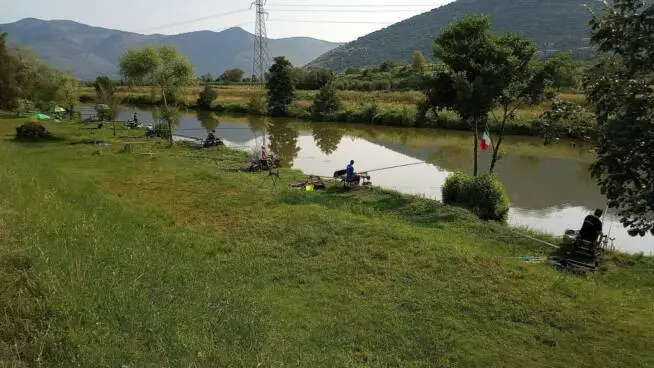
x: 375, y: 107
x: 176, y: 259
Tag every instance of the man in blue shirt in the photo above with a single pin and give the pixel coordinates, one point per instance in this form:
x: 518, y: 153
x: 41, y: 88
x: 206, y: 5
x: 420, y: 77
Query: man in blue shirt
x: 349, y: 171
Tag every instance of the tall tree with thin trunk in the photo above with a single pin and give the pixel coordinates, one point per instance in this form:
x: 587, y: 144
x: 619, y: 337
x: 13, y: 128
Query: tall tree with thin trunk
x: 481, y: 72
x: 162, y: 67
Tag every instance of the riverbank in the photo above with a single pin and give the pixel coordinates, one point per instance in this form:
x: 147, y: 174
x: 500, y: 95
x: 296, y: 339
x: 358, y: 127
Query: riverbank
x: 389, y: 108
x: 174, y: 259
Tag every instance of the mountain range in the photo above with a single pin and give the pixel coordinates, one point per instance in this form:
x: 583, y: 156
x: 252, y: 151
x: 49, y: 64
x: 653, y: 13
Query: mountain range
x: 553, y: 24
x: 91, y: 51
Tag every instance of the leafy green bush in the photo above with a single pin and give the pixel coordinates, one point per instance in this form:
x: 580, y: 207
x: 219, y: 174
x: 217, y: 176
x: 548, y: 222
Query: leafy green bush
x: 484, y: 195
x: 326, y: 102
x: 31, y: 132
x: 257, y: 104
x: 567, y: 119
x: 207, y: 96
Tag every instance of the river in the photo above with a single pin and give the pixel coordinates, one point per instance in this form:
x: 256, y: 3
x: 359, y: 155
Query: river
x: 549, y: 187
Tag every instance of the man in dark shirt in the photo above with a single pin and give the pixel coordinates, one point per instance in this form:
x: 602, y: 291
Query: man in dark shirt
x: 592, y: 226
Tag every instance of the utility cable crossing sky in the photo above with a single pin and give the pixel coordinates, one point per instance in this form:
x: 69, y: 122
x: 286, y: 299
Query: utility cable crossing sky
x: 309, y: 9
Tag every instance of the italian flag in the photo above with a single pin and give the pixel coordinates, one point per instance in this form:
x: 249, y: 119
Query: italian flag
x: 485, y: 141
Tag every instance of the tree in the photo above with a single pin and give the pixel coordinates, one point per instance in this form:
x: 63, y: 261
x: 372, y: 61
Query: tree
x: 27, y: 67
x: 280, y: 86
x: 314, y: 78
x: 56, y: 88
x: 561, y: 70
x: 206, y: 78
x: 9, y: 87
x: 104, y: 87
x: 162, y: 67
x: 419, y: 62
x: 326, y: 102
x: 68, y: 93
x: 620, y: 89
x: 232, y: 76
x: 207, y: 96
x: 481, y: 71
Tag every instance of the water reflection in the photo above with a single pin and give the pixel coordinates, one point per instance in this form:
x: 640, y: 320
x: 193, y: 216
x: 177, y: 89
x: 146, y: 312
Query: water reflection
x: 208, y: 120
x: 283, y: 141
x: 257, y: 124
x: 327, y: 137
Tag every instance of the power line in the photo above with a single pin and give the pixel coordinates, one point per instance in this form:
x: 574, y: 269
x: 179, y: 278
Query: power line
x: 398, y: 5
x: 328, y: 21
x: 346, y: 11
x: 195, y: 20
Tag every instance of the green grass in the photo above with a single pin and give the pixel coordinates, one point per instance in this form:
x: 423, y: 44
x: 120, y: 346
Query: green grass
x: 109, y: 258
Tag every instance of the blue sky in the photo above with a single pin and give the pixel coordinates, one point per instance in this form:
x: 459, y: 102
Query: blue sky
x: 338, y: 20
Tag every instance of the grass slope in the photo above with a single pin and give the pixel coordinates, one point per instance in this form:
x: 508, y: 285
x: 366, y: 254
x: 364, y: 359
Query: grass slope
x: 176, y: 260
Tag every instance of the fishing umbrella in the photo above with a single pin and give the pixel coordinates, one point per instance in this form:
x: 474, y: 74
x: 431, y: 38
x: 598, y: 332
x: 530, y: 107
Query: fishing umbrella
x: 59, y: 109
x: 102, y: 107
x: 41, y: 116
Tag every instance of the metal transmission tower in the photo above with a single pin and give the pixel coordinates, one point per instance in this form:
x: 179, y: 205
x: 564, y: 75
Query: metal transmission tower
x: 261, y: 57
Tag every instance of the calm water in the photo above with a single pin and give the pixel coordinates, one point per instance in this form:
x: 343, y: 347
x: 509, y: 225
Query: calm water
x: 549, y: 187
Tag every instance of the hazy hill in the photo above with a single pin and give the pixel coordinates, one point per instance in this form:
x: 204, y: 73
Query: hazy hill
x: 91, y: 51
x: 553, y: 24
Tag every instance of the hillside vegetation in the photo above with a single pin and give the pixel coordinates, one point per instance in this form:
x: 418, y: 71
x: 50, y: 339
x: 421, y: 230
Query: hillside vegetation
x: 112, y: 258
x: 91, y: 51
x: 553, y: 24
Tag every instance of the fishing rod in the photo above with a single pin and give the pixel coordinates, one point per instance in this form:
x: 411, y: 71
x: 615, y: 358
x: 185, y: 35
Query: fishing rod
x: 394, y: 167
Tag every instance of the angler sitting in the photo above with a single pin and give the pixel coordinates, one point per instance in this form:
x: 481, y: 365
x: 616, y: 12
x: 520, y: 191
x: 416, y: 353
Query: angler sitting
x: 211, y: 140
x: 591, y: 229
x: 350, y: 175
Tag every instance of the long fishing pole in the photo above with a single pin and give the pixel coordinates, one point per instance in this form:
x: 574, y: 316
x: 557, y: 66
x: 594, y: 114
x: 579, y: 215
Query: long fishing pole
x: 393, y: 167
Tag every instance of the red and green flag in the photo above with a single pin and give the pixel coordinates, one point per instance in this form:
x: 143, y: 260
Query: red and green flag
x: 485, y: 141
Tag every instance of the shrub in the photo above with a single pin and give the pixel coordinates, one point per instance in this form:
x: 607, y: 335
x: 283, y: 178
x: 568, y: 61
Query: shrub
x: 257, y: 104
x: 207, y: 96
x: 484, y: 195
x: 32, y: 132
x: 326, y: 102
x: 568, y: 119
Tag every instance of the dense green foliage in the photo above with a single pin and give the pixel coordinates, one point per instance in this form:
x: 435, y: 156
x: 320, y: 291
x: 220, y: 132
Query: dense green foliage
x: 482, y: 71
x: 280, y: 86
x: 162, y: 67
x: 419, y: 62
x: 32, y: 132
x: 104, y: 87
x: 620, y: 89
x: 484, y: 195
x: 207, y: 96
x: 9, y: 86
x: 233, y: 75
x: 553, y: 24
x: 326, y: 102
x: 567, y: 119
x: 312, y: 79
x: 25, y: 80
